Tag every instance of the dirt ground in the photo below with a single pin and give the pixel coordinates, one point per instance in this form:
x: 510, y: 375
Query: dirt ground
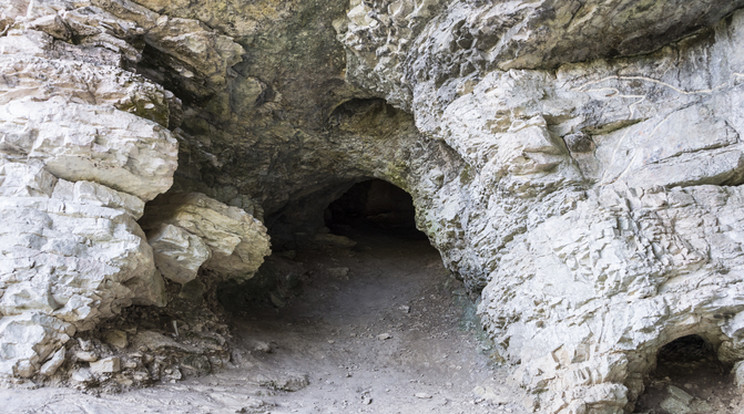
x: 378, y: 328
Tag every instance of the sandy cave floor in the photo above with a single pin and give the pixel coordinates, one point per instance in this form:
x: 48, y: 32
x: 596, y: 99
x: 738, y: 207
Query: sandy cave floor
x: 378, y: 328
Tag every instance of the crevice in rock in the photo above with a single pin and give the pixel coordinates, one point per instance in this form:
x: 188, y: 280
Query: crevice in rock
x: 155, y: 65
x: 688, y: 378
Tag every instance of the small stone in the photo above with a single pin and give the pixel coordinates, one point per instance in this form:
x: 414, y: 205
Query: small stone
x: 277, y: 300
x: 738, y: 372
x: 82, y: 376
x: 423, y: 395
x: 106, y: 365
x: 116, y: 338
x: 384, y: 336
x: 51, y: 366
x: 261, y: 346
x: 287, y: 382
x: 86, y: 356
x: 125, y: 381
x: 140, y: 376
x: 405, y: 308
x: 678, y: 401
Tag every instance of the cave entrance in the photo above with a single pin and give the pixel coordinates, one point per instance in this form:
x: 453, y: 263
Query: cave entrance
x: 372, y: 316
x: 688, y: 378
x: 373, y: 206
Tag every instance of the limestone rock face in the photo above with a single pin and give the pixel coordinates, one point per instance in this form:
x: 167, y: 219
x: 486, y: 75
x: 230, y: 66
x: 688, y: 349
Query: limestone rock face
x: 396, y: 45
x: 593, y: 203
x: 190, y: 230
x: 83, y: 145
x: 178, y: 254
x: 577, y: 164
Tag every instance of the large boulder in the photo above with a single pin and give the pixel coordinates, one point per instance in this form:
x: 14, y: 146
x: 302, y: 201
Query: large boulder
x: 190, y: 230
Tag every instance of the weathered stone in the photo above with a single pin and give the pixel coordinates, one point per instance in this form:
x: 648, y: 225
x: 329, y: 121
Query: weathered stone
x: 52, y: 365
x: 677, y: 401
x: 116, y: 338
x: 86, y: 356
x: 106, y: 366
x: 82, y: 377
x: 584, y: 158
x: 101, y: 144
x: 28, y: 339
x: 83, y: 146
x: 236, y: 242
x: 178, y: 253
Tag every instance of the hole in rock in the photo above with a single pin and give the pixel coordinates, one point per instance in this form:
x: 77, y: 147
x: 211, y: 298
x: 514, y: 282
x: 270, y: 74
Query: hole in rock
x: 378, y: 321
x: 373, y: 206
x: 689, y: 378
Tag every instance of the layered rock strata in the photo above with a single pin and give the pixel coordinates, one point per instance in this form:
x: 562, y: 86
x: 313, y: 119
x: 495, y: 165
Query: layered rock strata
x: 577, y: 164
x: 595, y: 204
x: 84, y: 144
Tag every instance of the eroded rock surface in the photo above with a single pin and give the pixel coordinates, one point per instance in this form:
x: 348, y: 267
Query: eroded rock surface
x: 577, y: 164
x: 83, y: 146
x: 190, y: 231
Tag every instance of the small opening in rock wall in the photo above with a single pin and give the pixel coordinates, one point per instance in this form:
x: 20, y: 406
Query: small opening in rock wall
x: 373, y: 206
x: 688, y: 378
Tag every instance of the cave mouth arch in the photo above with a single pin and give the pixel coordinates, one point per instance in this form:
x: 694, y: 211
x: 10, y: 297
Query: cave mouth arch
x: 373, y: 206
x: 351, y: 311
x: 689, y: 374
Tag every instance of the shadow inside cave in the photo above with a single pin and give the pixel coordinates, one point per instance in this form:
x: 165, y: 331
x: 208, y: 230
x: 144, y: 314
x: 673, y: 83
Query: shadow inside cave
x: 381, y: 318
x: 373, y: 207
x: 689, y: 378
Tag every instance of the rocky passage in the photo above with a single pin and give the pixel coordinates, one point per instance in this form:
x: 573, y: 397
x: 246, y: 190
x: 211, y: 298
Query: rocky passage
x: 577, y: 164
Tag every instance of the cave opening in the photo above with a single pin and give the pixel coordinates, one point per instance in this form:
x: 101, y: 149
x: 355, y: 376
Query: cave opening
x: 358, y: 305
x: 373, y: 206
x: 688, y: 378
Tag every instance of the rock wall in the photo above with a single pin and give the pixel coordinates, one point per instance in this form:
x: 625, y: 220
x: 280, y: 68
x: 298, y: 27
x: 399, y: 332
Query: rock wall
x: 84, y: 144
x: 595, y: 200
x: 577, y: 164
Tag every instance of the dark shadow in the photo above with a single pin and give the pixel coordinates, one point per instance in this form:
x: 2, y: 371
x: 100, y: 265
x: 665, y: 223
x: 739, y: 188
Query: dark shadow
x: 687, y: 372
x: 373, y: 206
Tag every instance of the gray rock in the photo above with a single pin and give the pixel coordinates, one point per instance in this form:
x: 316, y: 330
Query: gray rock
x: 594, y: 177
x: 52, y: 365
x: 284, y: 382
x: 191, y: 229
x: 677, y: 401
x: 107, y: 365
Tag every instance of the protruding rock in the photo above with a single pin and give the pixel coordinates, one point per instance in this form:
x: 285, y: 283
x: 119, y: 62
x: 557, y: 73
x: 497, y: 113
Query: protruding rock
x: 178, y: 253
x: 106, y: 365
x: 116, y: 338
x: 26, y: 340
x: 53, y: 364
x: 238, y: 242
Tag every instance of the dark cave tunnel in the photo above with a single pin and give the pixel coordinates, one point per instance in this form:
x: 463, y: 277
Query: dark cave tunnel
x: 373, y: 206
x: 364, y: 210
x: 687, y: 371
